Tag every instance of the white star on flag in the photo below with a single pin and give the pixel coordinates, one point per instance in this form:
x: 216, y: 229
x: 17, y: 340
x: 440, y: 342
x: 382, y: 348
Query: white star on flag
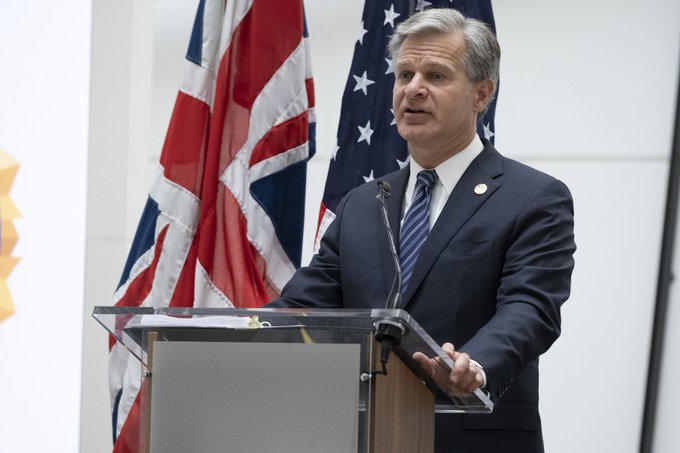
x: 422, y: 4
x: 362, y: 83
x: 366, y: 133
x: 488, y: 133
x: 390, y: 15
x: 390, y: 66
x: 369, y: 178
x: 394, y: 120
x: 362, y: 32
x: 403, y: 163
x: 334, y: 154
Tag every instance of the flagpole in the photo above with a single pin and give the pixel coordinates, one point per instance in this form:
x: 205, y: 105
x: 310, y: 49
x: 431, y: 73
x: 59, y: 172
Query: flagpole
x: 665, y: 279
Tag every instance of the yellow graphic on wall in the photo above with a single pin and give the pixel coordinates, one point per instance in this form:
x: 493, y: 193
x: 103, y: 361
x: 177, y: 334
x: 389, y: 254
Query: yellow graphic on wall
x: 8, y: 234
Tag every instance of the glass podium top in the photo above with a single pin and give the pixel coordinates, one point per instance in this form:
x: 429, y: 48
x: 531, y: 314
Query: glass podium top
x: 130, y: 326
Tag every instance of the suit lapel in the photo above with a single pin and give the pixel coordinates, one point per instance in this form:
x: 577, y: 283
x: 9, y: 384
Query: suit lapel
x: 462, y: 204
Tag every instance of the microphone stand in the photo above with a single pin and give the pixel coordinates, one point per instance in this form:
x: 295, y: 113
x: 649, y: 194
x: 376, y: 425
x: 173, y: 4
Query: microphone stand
x: 393, y: 301
x: 388, y: 331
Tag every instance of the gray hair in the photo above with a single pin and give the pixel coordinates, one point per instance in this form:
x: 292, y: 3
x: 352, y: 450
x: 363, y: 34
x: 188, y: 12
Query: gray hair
x: 482, y: 52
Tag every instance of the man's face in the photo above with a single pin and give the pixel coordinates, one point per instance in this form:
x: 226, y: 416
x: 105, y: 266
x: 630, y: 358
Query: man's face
x: 435, y: 105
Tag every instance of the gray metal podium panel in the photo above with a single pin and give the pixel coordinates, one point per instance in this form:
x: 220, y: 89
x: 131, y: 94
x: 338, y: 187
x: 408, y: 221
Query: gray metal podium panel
x: 254, y: 397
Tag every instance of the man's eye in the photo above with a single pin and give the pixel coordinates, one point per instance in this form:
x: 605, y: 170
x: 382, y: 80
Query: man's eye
x: 404, y: 76
x: 437, y: 76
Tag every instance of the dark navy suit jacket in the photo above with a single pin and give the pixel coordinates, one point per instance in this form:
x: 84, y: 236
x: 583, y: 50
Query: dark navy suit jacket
x: 491, y: 278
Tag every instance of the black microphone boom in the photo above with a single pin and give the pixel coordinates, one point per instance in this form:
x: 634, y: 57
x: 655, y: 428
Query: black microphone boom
x: 389, y: 331
x: 394, y: 297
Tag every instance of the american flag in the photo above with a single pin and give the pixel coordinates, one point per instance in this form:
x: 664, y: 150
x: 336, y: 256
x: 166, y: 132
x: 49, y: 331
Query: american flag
x: 222, y: 225
x: 368, y: 145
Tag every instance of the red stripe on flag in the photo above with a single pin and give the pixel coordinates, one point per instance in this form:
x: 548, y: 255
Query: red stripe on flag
x: 248, y: 65
x: 129, y: 439
x: 141, y: 285
x: 182, y: 155
x: 139, y: 288
x: 280, y: 138
x: 183, y: 296
x: 238, y: 270
x: 311, y: 98
x: 322, y: 213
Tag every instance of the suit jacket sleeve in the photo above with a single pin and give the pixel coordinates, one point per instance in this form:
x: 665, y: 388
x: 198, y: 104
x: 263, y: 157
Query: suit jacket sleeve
x: 535, y: 281
x: 317, y: 285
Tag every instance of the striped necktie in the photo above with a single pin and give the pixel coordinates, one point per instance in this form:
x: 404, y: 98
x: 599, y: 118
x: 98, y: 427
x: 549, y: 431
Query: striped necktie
x: 416, y: 226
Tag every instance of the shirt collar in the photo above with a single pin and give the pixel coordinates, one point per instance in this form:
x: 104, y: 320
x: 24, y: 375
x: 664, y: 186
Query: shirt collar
x: 451, y: 170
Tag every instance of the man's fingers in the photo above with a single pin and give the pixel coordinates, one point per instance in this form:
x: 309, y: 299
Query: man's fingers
x: 422, y: 359
x: 433, y: 367
x: 449, y: 349
x: 463, y: 379
x: 461, y: 365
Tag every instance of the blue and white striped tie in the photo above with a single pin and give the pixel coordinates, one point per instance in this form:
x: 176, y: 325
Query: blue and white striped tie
x: 416, y: 226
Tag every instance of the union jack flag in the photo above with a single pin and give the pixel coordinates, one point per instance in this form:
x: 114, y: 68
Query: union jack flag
x: 368, y: 145
x: 222, y: 225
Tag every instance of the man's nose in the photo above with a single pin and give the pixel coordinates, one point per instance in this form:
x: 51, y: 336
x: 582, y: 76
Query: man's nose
x: 416, y: 87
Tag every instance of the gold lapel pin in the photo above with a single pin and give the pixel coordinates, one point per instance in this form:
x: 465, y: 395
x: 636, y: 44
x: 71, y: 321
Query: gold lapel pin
x: 480, y: 189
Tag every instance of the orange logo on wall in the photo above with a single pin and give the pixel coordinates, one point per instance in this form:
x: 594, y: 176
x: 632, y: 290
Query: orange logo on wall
x: 8, y: 234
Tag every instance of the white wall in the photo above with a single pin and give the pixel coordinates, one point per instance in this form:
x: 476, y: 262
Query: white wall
x: 120, y: 118
x: 587, y: 94
x: 44, y: 90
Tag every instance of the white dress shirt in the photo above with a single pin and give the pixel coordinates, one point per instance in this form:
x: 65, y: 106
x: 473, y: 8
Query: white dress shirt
x: 449, y: 173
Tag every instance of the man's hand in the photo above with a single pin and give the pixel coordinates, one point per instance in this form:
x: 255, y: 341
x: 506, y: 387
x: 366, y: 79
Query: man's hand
x: 463, y: 379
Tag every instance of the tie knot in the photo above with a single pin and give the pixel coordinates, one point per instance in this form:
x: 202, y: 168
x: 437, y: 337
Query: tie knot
x: 427, y: 178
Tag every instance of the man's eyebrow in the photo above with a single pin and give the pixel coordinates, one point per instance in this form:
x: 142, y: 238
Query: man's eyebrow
x: 427, y: 63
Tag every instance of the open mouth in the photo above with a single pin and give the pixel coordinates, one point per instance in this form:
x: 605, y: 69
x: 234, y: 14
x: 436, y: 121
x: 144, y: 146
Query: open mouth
x: 415, y: 114
x: 410, y: 110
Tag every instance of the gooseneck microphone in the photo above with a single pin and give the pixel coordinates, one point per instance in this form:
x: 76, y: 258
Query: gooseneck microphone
x: 394, y: 297
x: 389, y: 331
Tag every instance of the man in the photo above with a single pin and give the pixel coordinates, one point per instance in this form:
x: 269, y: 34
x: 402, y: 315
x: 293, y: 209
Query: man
x: 490, y: 265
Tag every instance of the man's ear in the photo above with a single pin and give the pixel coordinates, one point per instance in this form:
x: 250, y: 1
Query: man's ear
x: 483, y: 91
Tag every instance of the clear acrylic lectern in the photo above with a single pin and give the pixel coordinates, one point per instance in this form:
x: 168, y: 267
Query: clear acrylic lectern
x: 284, y: 380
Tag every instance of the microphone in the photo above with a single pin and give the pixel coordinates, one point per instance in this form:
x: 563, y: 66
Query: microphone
x: 389, y: 331
x: 394, y: 297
